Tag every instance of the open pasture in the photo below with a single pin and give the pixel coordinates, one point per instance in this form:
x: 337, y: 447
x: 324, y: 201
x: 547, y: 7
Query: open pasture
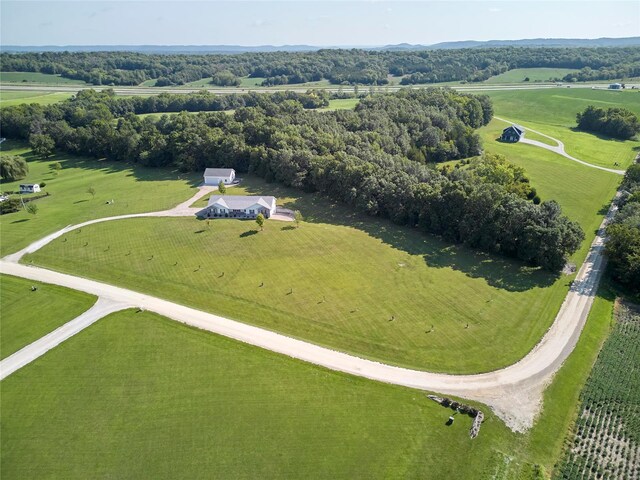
x: 10, y: 98
x: 27, y: 78
x: 553, y: 112
x: 133, y: 189
x: 28, y: 315
x: 518, y: 75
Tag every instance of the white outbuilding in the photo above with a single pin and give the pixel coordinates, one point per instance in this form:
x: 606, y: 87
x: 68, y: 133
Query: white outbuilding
x: 213, y: 176
x: 29, y: 188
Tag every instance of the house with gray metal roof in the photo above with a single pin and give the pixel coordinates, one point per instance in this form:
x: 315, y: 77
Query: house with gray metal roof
x: 238, y: 206
x: 213, y: 176
x: 514, y: 133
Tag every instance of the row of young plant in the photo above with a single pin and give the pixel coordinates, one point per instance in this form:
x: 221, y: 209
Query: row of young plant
x: 606, y: 443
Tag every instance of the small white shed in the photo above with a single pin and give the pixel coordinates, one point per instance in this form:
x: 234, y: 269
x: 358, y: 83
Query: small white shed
x: 29, y: 188
x: 213, y: 176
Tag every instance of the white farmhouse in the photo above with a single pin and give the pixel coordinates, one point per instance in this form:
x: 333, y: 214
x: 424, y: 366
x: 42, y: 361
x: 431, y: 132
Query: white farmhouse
x: 29, y: 188
x: 238, y: 206
x: 213, y: 176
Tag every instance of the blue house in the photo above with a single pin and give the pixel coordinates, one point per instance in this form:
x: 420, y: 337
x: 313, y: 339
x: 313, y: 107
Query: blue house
x: 514, y: 133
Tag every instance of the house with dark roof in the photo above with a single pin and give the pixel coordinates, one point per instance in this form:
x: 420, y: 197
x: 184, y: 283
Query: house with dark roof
x: 238, y: 206
x: 514, y: 133
x: 213, y: 176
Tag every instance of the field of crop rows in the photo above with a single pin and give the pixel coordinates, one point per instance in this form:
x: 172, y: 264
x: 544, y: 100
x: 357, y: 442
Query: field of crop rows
x: 606, y: 444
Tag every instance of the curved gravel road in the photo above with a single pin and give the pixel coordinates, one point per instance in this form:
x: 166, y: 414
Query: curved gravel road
x: 514, y: 393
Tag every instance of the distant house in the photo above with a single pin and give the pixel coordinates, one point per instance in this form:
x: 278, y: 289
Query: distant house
x: 238, y: 206
x: 29, y: 188
x: 615, y: 86
x: 514, y: 133
x: 213, y: 176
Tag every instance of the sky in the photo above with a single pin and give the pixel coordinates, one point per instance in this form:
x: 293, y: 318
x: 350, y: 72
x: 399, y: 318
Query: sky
x: 326, y: 23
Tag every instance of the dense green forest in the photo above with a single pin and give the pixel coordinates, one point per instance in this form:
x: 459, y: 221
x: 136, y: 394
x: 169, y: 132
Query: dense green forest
x: 623, y: 245
x: 337, y: 66
x: 376, y: 158
x: 614, y: 122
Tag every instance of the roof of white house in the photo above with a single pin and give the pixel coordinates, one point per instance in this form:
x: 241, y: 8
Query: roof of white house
x: 218, y: 172
x: 28, y: 185
x: 240, y: 202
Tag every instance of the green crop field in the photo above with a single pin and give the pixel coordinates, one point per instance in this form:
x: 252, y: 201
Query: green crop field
x: 553, y: 111
x: 28, y: 315
x: 133, y: 189
x: 244, y: 412
x: 518, y: 75
x: 606, y: 443
x: 37, y: 78
x: 9, y: 98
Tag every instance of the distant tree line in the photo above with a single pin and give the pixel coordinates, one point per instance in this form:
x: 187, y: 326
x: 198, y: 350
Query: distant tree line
x: 614, y: 122
x: 360, y: 157
x: 345, y: 67
x: 623, y: 243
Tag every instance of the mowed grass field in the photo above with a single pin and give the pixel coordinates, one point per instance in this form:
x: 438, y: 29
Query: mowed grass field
x: 161, y: 400
x: 518, y: 75
x: 25, y: 315
x: 10, y: 98
x: 338, y: 281
x: 133, y: 189
x: 553, y: 112
x: 37, y: 78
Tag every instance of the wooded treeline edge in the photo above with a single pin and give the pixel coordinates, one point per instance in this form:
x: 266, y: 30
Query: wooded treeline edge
x: 375, y: 158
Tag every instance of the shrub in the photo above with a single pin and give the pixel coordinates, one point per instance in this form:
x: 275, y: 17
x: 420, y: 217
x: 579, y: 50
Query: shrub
x: 13, y: 168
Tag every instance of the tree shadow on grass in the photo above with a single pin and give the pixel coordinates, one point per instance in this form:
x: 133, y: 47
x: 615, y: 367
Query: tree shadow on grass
x: 288, y: 227
x: 498, y: 271
x: 248, y: 233
x: 600, y: 136
x: 22, y: 220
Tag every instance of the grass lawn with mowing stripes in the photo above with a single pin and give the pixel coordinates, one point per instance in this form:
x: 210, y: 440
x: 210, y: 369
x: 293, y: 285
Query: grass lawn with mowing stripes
x: 133, y: 189
x: 27, y: 315
x: 161, y: 400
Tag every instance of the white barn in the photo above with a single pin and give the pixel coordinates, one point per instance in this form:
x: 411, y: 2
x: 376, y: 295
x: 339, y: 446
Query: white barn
x: 213, y: 176
x: 238, y: 206
x: 29, y: 188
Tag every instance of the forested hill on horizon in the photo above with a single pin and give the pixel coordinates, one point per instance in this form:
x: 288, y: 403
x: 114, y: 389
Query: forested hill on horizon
x: 230, y: 49
x: 337, y: 67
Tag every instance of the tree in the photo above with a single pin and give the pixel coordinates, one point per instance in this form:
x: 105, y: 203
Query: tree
x: 91, y: 191
x: 297, y: 217
x: 260, y: 221
x: 41, y: 144
x: 222, y: 188
x: 13, y: 168
x: 31, y: 208
x: 56, y: 166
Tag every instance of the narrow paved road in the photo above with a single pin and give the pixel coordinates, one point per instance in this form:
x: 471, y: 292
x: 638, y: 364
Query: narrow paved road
x: 514, y: 393
x: 558, y: 148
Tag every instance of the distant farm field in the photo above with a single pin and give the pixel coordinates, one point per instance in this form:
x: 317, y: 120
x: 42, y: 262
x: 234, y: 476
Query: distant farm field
x: 10, y: 98
x: 28, y: 315
x: 518, y: 75
x: 39, y: 78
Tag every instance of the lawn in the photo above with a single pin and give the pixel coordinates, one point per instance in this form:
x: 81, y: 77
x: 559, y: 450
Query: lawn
x: 162, y: 400
x: 341, y: 104
x: 341, y: 298
x: 25, y: 78
x: 133, y: 189
x: 553, y: 112
x: 28, y: 315
x: 10, y: 98
x: 518, y: 75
